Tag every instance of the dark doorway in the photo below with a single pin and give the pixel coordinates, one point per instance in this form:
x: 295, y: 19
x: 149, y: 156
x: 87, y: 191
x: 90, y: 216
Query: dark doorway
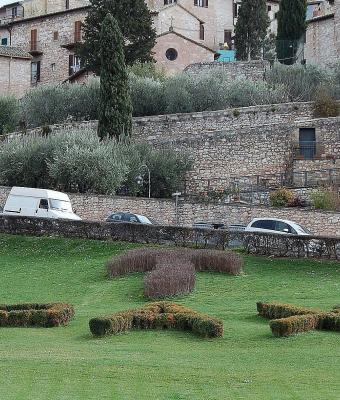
x: 307, y: 143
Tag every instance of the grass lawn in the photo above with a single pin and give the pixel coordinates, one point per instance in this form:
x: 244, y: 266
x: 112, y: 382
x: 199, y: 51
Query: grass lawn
x: 247, y: 363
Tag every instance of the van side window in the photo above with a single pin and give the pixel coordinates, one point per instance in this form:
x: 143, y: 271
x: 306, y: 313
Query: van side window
x: 43, y: 204
x: 283, y: 227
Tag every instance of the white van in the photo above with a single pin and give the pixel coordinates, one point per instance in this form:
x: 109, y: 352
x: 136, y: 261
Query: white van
x: 43, y: 203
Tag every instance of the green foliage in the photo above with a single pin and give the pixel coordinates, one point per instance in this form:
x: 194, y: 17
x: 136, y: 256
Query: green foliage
x: 325, y: 105
x: 280, y: 197
x: 37, y: 315
x: 53, y: 104
x: 135, y: 22
x: 147, y: 95
x: 298, y: 82
x: 251, y: 29
x: 159, y: 315
x: 167, y: 169
x: 291, y: 28
x: 9, y: 114
x: 325, y: 199
x: 71, y: 161
x: 115, y: 108
x: 293, y: 325
x: 77, y: 161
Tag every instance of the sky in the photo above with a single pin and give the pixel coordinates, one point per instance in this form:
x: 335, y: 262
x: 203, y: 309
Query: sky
x: 3, y: 2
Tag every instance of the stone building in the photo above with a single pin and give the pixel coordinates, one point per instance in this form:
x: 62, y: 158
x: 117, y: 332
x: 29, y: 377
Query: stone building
x: 15, y: 65
x: 50, y: 39
x: 323, y: 37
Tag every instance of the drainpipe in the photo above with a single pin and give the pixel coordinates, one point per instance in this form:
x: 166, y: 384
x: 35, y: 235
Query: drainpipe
x: 9, y: 75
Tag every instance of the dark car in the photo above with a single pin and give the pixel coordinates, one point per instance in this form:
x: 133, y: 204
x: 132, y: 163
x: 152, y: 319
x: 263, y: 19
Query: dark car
x: 128, y: 217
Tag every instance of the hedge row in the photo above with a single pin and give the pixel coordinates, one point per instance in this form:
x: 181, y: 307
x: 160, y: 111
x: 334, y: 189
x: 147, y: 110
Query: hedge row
x: 39, y: 315
x: 172, y: 277
x: 295, y: 324
x: 278, y: 310
x: 288, y: 319
x: 172, y: 272
x: 146, y: 259
x: 159, y: 315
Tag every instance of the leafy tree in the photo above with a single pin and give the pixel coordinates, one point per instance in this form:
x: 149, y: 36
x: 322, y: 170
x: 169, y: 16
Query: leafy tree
x: 251, y: 29
x: 115, y: 107
x: 291, y: 28
x: 135, y: 23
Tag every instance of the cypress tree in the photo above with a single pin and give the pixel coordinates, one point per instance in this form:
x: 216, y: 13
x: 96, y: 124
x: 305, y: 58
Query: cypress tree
x: 251, y: 29
x: 135, y: 22
x: 291, y: 28
x: 115, y: 108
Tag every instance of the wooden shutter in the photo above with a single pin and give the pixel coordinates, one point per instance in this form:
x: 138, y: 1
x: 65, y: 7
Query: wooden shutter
x: 77, y: 31
x: 34, y: 37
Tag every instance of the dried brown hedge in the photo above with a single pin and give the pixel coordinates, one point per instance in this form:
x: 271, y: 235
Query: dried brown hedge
x: 172, y: 277
x: 159, y: 315
x: 172, y: 272
x: 32, y: 314
x: 278, y: 310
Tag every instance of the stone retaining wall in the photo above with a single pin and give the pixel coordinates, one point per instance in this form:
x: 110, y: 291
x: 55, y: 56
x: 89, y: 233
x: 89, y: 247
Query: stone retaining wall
x: 251, y: 70
x: 97, y: 208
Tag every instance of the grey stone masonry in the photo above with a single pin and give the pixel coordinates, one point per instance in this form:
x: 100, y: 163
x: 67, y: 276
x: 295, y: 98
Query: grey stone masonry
x: 253, y: 70
x: 98, y: 207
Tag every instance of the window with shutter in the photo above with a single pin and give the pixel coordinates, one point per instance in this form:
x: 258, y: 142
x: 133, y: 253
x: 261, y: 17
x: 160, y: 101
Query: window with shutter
x: 34, y: 40
x: 77, y: 31
x: 70, y: 64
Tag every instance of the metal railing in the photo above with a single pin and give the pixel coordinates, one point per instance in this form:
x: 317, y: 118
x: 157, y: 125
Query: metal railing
x: 308, y: 150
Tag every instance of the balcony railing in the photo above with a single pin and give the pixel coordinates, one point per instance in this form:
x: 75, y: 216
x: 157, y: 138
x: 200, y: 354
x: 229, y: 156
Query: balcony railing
x: 308, y: 150
x: 70, y: 41
x: 35, y: 48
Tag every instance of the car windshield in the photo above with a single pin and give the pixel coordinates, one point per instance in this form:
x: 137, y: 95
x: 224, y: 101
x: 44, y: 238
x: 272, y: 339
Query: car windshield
x: 60, y: 205
x: 303, y: 229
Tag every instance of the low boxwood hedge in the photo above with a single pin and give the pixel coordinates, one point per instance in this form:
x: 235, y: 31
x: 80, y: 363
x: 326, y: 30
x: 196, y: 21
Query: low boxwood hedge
x: 38, y: 315
x: 158, y: 315
x: 288, y: 319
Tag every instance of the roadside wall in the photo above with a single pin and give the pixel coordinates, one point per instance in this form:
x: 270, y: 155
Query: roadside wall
x: 97, y: 208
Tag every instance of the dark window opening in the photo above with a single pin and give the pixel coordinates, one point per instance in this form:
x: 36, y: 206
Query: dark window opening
x: 35, y: 72
x: 43, y: 204
x: 201, y: 31
x: 67, y: 4
x: 201, y: 3
x: 307, y: 143
x: 171, y: 54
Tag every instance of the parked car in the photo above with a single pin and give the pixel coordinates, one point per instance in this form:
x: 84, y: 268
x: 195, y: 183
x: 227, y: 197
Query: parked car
x: 129, y: 217
x: 209, y: 225
x: 275, y: 225
x: 42, y: 203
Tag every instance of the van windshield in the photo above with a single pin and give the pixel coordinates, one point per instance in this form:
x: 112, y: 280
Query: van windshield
x: 60, y: 205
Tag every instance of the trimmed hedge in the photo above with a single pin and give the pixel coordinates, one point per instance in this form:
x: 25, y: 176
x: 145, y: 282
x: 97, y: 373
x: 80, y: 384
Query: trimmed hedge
x: 158, y: 315
x: 295, y: 324
x: 288, y: 319
x: 278, y: 310
x: 172, y: 277
x: 37, y: 315
x: 172, y: 272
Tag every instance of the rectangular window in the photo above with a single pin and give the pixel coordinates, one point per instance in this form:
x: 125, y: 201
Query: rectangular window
x: 166, y: 2
x: 307, y: 143
x: 4, y: 42
x: 269, y: 8
x: 227, y: 38
x: 201, y: 3
x: 34, y: 40
x: 74, y: 64
x: 53, y: 67
x: 14, y: 12
x: 77, y: 31
x: 55, y: 35
x: 201, y: 31
x: 35, y: 72
x: 67, y: 4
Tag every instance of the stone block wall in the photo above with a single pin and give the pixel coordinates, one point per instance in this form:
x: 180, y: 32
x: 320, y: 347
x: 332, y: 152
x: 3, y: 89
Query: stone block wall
x: 252, y: 70
x: 97, y: 208
x: 14, y: 76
